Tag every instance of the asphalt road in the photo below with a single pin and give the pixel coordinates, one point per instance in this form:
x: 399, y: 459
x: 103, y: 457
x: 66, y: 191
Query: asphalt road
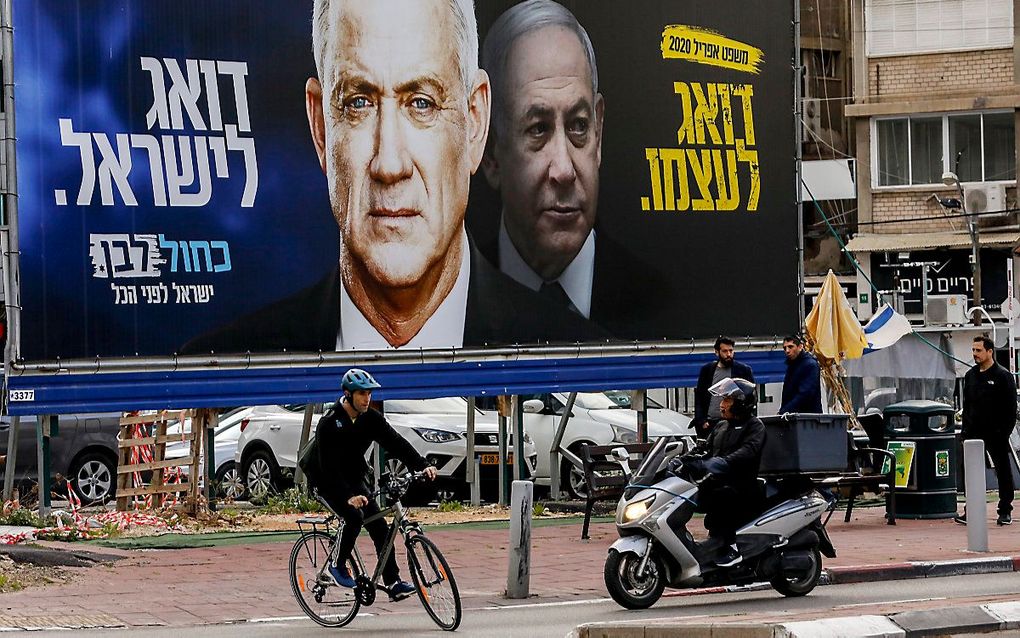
x: 558, y: 619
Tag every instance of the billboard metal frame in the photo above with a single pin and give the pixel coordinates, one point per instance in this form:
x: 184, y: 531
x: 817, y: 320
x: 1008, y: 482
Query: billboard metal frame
x: 121, y: 383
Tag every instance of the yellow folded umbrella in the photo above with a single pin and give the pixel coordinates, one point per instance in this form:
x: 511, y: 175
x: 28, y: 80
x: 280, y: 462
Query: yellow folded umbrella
x: 833, y: 326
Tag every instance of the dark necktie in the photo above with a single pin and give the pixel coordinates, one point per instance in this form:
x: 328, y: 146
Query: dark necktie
x: 555, y: 293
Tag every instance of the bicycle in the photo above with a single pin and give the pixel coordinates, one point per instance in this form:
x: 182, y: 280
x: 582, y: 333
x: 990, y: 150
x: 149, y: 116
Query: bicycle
x: 333, y: 606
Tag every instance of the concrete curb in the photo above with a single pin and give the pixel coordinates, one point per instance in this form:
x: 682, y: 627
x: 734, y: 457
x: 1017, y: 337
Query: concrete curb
x: 920, y: 569
x: 909, y: 624
x: 970, y: 619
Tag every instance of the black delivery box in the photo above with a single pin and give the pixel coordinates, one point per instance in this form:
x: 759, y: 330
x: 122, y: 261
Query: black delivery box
x: 804, y: 443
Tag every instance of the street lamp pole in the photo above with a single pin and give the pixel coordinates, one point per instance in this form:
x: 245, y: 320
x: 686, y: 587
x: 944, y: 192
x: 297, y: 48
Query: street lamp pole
x: 950, y: 179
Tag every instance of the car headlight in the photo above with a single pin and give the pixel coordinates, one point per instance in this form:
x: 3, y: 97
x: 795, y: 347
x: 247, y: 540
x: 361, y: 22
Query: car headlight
x: 436, y: 436
x: 624, y: 435
x: 637, y: 510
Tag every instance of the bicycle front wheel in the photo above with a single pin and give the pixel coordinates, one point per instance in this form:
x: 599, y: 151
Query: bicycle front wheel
x: 434, y: 580
x: 319, y: 597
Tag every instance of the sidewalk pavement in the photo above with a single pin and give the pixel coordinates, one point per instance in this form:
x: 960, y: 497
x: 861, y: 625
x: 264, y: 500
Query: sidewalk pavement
x: 245, y: 582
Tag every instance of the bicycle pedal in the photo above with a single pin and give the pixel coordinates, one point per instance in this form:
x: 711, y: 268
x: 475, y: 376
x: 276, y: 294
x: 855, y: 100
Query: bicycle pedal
x: 400, y: 597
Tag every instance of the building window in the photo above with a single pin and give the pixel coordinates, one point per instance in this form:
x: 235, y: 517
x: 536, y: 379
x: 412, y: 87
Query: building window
x: 902, y: 27
x: 978, y: 147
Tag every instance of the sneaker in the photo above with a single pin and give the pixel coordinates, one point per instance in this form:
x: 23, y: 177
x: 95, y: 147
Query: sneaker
x: 730, y: 558
x: 400, y: 590
x: 1004, y: 519
x: 341, y: 576
x: 961, y: 518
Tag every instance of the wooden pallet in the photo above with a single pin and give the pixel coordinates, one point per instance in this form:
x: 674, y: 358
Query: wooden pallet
x: 155, y: 441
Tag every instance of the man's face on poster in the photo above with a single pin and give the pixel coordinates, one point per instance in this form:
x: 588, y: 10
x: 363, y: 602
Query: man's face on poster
x: 397, y: 135
x: 545, y: 160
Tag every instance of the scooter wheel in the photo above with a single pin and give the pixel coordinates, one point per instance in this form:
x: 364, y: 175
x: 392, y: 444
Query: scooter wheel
x: 802, y: 583
x: 629, y: 589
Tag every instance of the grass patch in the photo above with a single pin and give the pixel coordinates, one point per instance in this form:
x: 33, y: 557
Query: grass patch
x: 450, y: 506
x: 292, y: 501
x: 22, y: 517
x: 8, y: 583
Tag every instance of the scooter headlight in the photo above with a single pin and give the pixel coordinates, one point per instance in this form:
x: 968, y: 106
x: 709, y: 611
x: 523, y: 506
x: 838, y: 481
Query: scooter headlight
x: 634, y: 511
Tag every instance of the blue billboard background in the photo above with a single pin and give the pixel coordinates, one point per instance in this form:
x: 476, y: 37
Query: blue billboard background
x: 89, y: 282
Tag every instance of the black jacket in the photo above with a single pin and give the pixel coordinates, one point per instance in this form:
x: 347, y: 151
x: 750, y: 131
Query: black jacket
x: 802, y: 386
x: 342, y: 444
x: 499, y: 311
x: 701, y: 396
x: 739, y: 444
x: 989, y: 403
x: 625, y: 291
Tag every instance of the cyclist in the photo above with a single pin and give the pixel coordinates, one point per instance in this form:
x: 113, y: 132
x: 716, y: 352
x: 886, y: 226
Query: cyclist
x: 344, y: 435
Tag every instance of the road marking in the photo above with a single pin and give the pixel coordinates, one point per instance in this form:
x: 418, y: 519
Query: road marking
x: 891, y: 602
x: 361, y: 614
x: 559, y: 603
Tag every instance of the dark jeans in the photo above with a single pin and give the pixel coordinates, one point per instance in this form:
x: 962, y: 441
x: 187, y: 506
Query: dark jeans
x: 354, y: 520
x: 728, y: 507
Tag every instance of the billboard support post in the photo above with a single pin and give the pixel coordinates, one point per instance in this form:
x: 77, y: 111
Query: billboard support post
x: 470, y: 465
x: 211, y: 423
x: 45, y: 427
x: 554, y: 452
x: 306, y: 428
x: 640, y: 406
x: 11, y: 264
x: 798, y: 107
x: 503, y: 409
x: 12, y: 458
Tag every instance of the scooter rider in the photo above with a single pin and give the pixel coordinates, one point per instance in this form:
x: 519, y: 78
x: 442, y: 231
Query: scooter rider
x: 729, y: 462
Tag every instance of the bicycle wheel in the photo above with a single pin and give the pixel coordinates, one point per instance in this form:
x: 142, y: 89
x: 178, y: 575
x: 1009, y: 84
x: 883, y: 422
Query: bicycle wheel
x: 434, y: 580
x: 319, y: 597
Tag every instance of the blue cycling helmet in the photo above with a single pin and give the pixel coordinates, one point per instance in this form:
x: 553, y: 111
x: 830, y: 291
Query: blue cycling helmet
x: 358, y: 379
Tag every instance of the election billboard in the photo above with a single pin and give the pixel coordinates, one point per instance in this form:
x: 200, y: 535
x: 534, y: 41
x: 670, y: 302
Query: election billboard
x: 266, y: 177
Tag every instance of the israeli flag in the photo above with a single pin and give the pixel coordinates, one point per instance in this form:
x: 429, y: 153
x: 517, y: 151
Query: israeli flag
x: 885, y: 328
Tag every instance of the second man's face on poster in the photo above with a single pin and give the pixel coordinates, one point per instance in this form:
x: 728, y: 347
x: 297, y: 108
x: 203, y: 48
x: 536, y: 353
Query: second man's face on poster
x: 547, y: 150
x: 401, y: 140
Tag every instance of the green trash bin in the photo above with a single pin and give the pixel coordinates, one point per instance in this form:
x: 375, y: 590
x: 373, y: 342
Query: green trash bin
x: 922, y: 436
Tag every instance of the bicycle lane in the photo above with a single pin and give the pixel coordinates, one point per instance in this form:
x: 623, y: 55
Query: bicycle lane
x: 233, y: 583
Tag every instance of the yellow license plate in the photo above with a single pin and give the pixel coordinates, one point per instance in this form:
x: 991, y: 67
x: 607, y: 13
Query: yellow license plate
x: 493, y: 459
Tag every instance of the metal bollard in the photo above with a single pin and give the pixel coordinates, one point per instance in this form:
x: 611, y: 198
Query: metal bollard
x: 518, y: 576
x: 974, y: 470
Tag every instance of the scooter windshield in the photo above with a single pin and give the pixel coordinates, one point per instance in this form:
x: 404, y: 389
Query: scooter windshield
x: 645, y: 474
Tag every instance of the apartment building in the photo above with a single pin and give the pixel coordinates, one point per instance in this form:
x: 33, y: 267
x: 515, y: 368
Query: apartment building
x: 934, y: 112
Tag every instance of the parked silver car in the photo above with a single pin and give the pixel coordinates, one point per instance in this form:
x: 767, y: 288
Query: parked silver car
x: 84, y: 450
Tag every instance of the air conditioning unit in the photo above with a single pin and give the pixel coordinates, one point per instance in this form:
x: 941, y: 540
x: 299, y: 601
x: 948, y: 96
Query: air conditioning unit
x: 989, y: 202
x: 812, y: 119
x: 945, y: 310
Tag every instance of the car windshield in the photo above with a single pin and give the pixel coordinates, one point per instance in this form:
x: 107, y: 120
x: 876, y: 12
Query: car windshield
x: 622, y: 399
x: 595, y: 401
x: 444, y: 405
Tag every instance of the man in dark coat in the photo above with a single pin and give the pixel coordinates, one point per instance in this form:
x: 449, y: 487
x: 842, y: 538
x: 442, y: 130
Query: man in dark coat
x: 989, y: 414
x: 802, y: 385
x: 706, y: 406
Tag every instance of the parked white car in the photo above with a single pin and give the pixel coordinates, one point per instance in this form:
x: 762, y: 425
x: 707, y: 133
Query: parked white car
x: 437, y: 428
x: 227, y: 476
x: 597, y: 419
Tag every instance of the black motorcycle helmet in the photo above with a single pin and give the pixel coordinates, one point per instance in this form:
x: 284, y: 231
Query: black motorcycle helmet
x: 744, y: 395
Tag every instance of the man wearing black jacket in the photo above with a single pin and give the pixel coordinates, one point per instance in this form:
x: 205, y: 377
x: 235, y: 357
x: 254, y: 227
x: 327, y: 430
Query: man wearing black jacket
x: 730, y: 458
x: 344, y: 435
x: 706, y: 406
x: 989, y: 414
x: 802, y: 385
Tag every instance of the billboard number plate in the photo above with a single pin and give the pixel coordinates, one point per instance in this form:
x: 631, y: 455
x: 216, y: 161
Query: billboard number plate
x: 22, y: 395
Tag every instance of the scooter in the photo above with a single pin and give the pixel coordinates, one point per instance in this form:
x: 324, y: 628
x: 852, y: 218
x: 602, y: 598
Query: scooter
x: 782, y: 546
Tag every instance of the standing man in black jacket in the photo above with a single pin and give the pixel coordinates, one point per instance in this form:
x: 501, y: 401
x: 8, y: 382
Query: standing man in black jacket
x: 989, y: 414
x: 344, y: 435
x: 730, y: 458
x: 802, y: 385
x: 706, y: 406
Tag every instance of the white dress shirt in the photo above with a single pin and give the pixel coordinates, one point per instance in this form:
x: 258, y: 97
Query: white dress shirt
x: 576, y: 278
x: 444, y: 329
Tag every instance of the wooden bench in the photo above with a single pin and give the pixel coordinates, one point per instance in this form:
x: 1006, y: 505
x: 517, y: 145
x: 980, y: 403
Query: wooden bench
x: 603, y: 476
